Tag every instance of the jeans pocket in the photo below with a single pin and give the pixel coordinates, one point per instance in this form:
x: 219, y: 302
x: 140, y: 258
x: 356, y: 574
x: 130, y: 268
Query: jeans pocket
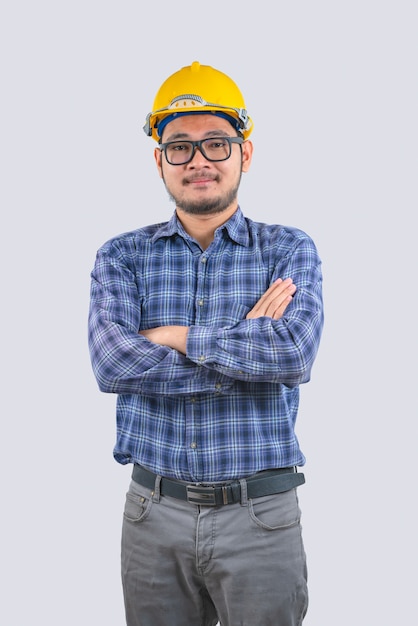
x: 275, y: 512
x: 137, y: 504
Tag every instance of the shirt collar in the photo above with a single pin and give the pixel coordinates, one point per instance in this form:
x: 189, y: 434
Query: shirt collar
x: 236, y: 228
x: 167, y: 229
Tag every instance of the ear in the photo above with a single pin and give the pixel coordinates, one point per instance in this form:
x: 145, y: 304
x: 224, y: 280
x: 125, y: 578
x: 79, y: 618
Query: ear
x: 158, y: 155
x: 247, y: 154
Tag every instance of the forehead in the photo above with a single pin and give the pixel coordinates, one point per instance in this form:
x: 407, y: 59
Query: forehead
x: 197, y: 127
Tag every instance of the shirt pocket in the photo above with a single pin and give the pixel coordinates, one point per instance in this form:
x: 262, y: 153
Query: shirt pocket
x: 229, y: 313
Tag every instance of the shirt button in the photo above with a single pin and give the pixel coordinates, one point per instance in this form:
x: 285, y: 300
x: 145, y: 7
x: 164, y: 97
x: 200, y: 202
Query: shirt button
x: 193, y: 445
x: 218, y: 386
x: 204, y: 259
x: 200, y: 302
x: 201, y: 358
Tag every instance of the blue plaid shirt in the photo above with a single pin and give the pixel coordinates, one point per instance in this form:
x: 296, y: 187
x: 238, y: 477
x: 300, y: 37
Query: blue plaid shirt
x: 227, y: 408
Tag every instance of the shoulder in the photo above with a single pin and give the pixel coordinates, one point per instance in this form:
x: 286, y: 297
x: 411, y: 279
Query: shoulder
x: 131, y: 241
x: 278, y: 234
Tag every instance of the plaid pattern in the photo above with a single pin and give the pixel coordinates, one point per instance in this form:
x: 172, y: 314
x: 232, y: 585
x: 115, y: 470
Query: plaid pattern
x: 228, y: 408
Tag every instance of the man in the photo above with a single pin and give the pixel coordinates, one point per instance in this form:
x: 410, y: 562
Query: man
x: 205, y: 326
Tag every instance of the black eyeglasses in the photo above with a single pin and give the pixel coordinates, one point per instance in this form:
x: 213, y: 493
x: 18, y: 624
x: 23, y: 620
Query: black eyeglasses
x: 213, y: 149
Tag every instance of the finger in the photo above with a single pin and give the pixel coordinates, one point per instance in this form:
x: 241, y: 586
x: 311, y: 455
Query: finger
x: 279, y: 311
x: 278, y: 287
x: 277, y: 300
x: 271, y: 299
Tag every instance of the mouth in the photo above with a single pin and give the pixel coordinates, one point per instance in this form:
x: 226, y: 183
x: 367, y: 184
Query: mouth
x: 200, y: 180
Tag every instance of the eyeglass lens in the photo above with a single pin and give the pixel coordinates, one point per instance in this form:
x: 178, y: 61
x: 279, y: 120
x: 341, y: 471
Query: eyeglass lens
x: 213, y: 149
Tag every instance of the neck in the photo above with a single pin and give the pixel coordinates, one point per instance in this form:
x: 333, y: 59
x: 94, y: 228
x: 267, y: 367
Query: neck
x: 202, y: 227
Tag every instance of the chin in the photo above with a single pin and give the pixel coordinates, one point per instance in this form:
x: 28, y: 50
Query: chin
x: 202, y: 209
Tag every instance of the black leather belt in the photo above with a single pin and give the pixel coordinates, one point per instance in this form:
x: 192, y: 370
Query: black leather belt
x: 264, y: 483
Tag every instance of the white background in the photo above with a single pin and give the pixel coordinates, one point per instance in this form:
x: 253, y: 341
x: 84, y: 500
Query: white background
x: 332, y: 89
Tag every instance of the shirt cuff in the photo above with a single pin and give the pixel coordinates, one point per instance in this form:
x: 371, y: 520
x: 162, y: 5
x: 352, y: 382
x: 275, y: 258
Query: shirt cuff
x: 201, y: 344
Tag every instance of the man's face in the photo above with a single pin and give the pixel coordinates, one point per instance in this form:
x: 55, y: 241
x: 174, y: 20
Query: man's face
x: 203, y: 187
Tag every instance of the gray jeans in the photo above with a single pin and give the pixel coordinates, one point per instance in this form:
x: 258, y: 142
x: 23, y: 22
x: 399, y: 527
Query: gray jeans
x: 186, y: 565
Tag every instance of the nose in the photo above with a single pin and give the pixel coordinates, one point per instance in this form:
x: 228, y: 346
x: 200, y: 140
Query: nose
x: 198, y: 157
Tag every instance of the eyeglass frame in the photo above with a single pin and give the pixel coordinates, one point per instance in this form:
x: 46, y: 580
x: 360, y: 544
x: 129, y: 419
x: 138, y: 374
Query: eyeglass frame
x: 198, y: 144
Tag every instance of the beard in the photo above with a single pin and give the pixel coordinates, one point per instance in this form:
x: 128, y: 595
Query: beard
x: 205, y: 206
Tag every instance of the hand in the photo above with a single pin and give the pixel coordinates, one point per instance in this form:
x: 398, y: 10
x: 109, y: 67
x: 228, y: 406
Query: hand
x: 274, y: 301
x: 170, y: 336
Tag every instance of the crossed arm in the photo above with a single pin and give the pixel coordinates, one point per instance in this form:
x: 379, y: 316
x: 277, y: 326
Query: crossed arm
x: 272, y: 303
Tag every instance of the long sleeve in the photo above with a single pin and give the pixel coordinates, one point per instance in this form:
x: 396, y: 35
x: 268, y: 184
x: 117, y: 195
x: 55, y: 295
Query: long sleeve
x: 263, y: 349
x: 124, y: 361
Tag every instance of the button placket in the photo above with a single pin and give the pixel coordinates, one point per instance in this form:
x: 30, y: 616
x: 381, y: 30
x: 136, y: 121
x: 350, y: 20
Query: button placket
x: 200, y: 289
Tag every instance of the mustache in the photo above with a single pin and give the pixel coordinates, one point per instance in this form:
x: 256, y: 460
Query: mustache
x: 199, y: 176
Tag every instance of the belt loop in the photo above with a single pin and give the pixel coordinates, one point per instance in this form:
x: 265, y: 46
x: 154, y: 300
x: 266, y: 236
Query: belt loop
x: 244, y: 498
x: 156, y: 494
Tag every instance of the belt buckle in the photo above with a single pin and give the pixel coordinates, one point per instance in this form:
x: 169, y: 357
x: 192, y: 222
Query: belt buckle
x: 199, y: 494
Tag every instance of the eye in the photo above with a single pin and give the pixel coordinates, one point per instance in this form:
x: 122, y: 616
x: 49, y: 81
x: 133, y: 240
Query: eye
x: 216, y: 144
x: 178, y: 146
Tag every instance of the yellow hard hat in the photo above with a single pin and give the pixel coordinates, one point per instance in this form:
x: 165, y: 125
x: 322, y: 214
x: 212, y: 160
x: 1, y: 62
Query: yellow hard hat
x: 198, y: 89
